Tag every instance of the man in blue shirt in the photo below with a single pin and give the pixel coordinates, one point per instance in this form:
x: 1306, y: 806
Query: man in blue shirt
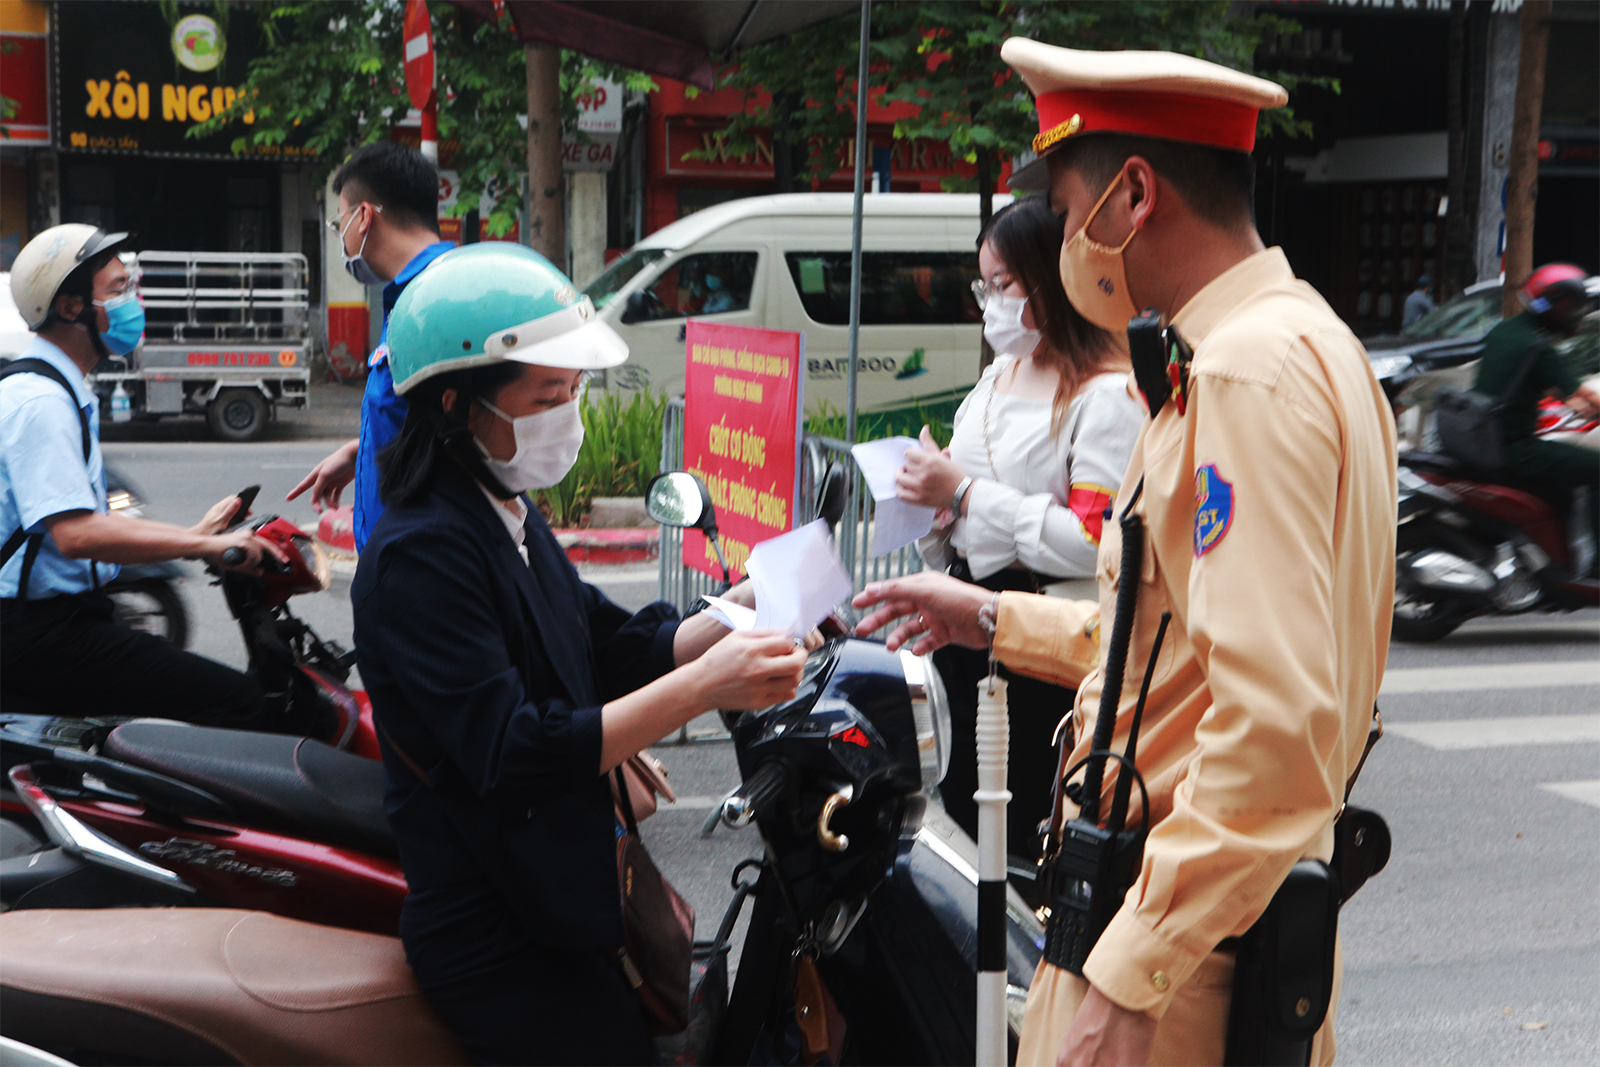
x: 389, y: 226
x: 60, y: 651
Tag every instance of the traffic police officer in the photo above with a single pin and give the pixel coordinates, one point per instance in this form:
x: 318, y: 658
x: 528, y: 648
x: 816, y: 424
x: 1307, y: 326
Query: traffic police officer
x: 1268, y: 499
x: 60, y: 651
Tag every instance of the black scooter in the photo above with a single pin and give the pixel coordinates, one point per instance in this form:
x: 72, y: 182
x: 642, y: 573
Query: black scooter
x: 862, y: 945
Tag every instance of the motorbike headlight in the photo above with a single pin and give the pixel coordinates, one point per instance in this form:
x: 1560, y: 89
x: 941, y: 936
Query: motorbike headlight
x: 314, y: 558
x: 930, y: 710
x: 122, y: 502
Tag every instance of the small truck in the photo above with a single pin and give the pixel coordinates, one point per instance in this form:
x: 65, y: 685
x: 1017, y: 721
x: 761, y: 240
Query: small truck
x: 227, y: 336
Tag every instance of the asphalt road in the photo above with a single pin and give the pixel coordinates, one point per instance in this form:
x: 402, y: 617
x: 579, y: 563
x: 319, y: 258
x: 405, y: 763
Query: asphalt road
x: 1479, y: 944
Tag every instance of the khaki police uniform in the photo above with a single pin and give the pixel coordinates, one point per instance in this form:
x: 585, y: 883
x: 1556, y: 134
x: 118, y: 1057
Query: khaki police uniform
x: 1268, y: 500
x: 1280, y: 581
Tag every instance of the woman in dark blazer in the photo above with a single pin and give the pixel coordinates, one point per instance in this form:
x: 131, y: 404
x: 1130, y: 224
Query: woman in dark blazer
x: 505, y: 688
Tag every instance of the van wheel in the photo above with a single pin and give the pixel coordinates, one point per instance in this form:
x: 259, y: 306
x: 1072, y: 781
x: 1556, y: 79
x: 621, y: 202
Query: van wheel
x: 237, y: 415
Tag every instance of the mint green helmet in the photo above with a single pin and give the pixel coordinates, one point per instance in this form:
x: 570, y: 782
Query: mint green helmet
x: 490, y: 302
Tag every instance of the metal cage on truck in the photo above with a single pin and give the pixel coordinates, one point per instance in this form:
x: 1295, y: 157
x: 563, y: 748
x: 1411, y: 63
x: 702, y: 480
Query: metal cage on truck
x: 227, y: 335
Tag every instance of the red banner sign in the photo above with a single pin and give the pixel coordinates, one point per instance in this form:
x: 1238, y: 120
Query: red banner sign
x: 741, y: 435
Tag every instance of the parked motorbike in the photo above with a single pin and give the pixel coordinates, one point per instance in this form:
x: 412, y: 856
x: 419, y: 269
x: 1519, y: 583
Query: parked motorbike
x: 1468, y: 546
x: 864, y: 882
x: 302, y: 675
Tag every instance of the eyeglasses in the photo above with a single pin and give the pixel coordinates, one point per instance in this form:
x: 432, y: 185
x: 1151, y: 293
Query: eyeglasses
x: 983, y: 291
x: 336, y: 224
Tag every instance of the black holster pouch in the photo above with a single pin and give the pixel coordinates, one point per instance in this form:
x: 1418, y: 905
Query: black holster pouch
x: 1283, y: 972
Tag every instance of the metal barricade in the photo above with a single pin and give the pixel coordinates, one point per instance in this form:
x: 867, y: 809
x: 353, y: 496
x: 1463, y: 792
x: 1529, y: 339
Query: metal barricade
x: 681, y: 585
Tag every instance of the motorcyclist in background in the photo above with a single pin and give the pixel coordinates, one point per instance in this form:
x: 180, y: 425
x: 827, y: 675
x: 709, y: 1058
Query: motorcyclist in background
x: 60, y: 651
x: 1555, y: 298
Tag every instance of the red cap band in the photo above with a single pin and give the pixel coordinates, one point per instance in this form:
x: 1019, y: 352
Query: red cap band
x: 1170, y: 116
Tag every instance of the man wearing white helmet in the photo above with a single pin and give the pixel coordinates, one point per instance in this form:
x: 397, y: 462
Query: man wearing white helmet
x: 59, y: 648
x: 1262, y: 488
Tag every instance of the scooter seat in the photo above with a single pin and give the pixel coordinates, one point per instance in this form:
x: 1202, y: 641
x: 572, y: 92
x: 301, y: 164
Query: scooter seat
x: 290, y: 784
x: 210, y: 986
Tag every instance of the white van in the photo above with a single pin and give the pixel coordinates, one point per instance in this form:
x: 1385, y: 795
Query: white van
x: 783, y: 263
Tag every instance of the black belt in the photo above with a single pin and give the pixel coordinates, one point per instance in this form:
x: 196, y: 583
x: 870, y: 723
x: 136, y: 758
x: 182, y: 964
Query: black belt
x: 1006, y: 580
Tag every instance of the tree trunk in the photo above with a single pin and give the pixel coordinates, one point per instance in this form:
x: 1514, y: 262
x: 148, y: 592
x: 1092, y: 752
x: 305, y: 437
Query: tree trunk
x: 987, y: 178
x: 1522, y: 183
x: 784, y: 151
x: 547, y: 231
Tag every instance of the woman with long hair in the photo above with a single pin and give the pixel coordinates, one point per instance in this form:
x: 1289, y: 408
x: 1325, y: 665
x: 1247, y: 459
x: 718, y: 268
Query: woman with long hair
x: 504, y: 688
x: 1038, y: 451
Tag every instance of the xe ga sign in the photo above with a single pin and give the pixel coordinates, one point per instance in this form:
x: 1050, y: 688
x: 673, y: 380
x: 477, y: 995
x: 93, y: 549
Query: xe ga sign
x: 133, y: 77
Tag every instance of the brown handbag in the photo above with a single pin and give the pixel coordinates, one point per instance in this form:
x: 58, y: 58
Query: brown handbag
x: 646, y: 779
x: 657, y: 928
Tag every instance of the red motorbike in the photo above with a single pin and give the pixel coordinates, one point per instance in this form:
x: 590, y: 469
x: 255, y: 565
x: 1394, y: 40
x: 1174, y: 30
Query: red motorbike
x: 302, y: 675
x: 1469, y: 546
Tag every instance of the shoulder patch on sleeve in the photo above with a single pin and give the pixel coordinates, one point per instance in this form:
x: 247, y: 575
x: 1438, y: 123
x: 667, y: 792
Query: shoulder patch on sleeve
x: 1213, y: 509
x: 379, y: 355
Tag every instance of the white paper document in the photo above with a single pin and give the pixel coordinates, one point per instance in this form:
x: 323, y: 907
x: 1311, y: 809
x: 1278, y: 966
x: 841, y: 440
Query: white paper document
x: 797, y: 581
x: 896, y: 522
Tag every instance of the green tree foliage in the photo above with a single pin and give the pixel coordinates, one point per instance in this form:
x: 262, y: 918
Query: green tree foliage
x: 330, y: 77
x: 944, y: 57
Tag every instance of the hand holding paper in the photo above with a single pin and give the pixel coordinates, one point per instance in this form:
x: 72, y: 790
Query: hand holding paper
x: 797, y: 581
x: 896, y: 522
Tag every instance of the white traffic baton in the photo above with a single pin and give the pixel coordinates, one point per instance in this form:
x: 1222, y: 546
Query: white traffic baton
x: 994, y: 743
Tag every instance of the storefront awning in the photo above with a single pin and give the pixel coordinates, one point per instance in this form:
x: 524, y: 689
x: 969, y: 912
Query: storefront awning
x: 675, y: 40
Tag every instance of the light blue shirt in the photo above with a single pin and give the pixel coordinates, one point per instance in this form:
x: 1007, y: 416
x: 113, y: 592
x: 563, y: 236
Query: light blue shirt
x: 42, y: 472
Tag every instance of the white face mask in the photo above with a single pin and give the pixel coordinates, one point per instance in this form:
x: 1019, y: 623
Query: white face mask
x: 358, y: 267
x: 547, y: 447
x: 1002, y: 325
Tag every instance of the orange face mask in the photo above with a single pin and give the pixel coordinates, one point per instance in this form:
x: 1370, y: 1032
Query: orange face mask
x: 1094, y: 275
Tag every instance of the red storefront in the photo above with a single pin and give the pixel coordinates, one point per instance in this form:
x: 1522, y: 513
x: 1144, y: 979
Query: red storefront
x: 679, y: 123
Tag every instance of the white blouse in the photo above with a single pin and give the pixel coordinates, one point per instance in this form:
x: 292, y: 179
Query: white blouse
x: 1040, y: 501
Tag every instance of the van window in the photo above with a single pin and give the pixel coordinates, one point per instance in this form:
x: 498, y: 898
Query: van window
x: 897, y: 288
x: 706, y: 284
x: 609, y: 282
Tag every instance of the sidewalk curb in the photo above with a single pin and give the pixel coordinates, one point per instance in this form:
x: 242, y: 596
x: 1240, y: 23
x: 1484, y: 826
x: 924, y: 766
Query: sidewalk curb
x: 602, y: 546
x: 617, y: 545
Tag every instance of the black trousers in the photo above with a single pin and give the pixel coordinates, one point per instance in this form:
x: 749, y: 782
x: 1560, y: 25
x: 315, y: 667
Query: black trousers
x: 65, y: 656
x: 546, y: 1007
x: 1034, y: 709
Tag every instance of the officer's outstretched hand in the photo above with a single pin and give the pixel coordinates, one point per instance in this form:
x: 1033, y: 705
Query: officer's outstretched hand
x: 943, y: 611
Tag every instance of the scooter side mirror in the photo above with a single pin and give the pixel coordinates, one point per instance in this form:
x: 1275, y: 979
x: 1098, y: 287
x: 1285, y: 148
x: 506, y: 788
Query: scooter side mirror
x: 678, y: 498
x: 831, y: 495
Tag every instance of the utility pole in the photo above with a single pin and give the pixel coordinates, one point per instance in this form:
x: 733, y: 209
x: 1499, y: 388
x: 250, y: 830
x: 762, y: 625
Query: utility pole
x: 547, y: 230
x: 1522, y: 180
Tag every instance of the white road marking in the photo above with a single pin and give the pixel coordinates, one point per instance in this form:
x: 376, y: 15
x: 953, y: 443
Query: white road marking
x: 1498, y: 733
x: 1490, y: 676
x: 692, y: 803
x: 1582, y: 792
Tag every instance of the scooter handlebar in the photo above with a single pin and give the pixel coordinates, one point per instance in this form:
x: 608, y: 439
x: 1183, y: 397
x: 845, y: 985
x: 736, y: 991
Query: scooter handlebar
x: 755, y: 795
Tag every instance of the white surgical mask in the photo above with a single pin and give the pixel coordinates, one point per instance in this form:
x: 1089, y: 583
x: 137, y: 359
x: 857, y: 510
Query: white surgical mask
x: 1002, y: 325
x: 547, y: 447
x: 358, y: 267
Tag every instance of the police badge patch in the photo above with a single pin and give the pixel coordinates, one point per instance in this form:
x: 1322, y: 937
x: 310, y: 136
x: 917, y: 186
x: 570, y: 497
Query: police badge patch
x: 1213, y: 509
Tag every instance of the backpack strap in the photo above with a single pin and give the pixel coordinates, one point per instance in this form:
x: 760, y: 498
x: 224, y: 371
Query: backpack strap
x: 46, y: 369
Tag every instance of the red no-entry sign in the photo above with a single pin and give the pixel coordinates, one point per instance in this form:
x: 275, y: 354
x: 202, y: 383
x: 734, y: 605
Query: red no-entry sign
x: 418, y: 37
